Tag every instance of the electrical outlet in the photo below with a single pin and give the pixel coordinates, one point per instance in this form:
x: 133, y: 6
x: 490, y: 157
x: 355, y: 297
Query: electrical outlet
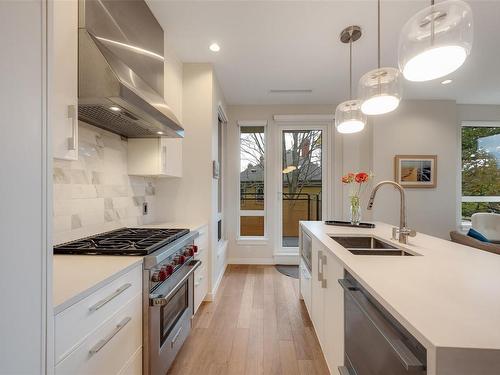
x: 144, y: 208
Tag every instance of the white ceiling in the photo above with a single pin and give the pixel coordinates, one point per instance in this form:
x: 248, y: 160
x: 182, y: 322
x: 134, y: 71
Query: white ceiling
x: 294, y: 45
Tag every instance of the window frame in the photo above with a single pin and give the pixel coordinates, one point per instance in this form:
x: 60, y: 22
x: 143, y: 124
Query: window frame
x: 253, y: 240
x: 463, y: 224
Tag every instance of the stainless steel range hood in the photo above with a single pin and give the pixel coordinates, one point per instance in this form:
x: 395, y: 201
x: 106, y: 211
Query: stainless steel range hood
x: 120, y: 70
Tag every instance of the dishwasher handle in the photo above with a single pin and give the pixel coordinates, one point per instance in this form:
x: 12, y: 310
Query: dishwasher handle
x: 404, y: 354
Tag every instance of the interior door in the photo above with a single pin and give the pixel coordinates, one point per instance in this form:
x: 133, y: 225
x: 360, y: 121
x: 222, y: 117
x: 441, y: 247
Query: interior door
x: 301, y: 181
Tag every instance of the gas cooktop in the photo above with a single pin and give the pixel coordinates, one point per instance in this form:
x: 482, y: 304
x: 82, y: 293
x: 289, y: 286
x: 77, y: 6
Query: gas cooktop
x: 124, y: 241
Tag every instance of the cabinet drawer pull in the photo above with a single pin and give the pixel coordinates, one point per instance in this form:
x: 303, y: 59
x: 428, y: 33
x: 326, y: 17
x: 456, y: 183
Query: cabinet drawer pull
x: 105, y: 340
x: 113, y: 295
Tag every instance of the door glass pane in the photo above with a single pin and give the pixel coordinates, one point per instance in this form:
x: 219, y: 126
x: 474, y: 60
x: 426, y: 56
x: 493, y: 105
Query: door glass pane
x: 252, y: 180
x: 480, y: 170
x: 301, y: 181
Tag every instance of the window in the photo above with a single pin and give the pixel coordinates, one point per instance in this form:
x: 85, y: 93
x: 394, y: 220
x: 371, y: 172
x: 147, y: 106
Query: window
x: 480, y: 169
x: 252, y: 181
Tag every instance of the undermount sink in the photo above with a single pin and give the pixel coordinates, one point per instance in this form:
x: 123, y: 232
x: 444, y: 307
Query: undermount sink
x: 369, y: 245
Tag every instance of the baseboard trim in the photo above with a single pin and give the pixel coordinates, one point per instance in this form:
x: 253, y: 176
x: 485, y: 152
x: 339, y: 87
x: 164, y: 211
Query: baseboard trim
x: 292, y: 259
x: 211, y: 295
x: 256, y: 261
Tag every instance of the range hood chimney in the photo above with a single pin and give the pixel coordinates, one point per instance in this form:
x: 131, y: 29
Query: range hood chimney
x: 120, y: 70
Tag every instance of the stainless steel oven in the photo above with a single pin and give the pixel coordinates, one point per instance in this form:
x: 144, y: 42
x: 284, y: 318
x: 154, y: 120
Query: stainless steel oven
x: 375, y: 342
x: 168, y: 303
x: 169, y: 315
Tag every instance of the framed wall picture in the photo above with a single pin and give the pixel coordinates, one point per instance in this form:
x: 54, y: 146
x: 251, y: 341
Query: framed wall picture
x: 416, y: 171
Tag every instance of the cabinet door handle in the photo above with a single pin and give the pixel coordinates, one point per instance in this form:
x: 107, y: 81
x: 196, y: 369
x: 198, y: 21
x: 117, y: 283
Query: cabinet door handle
x: 113, y: 295
x: 324, y: 282
x: 320, y: 266
x: 105, y: 340
x: 72, y: 114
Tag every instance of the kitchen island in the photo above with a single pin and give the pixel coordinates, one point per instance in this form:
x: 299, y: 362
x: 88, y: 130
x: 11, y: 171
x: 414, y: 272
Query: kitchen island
x: 446, y: 296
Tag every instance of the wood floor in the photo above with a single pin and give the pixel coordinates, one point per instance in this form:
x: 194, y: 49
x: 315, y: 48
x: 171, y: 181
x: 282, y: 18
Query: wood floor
x: 256, y: 325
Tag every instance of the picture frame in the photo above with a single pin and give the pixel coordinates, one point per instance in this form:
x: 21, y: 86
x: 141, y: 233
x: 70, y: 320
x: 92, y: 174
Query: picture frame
x: 416, y: 171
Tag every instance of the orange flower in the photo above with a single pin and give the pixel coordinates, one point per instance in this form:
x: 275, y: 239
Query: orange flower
x: 361, y: 177
x: 348, y: 178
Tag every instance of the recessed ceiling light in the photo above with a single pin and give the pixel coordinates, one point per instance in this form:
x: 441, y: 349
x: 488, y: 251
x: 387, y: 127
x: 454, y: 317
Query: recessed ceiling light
x: 159, y: 133
x: 214, y: 47
x: 446, y: 81
x: 115, y: 108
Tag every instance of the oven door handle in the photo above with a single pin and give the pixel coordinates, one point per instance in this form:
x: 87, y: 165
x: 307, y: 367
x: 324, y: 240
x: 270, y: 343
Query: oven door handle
x: 160, y: 299
x: 405, y: 356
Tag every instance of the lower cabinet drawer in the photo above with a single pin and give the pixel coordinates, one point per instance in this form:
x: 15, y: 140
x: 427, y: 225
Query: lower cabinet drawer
x: 200, y: 286
x: 79, y: 320
x: 106, y: 350
x: 133, y: 365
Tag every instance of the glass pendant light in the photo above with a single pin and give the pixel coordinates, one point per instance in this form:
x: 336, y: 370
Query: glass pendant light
x: 348, y: 115
x: 436, y: 41
x: 380, y: 89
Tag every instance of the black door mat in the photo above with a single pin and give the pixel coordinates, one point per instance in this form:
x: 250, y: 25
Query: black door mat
x: 288, y: 270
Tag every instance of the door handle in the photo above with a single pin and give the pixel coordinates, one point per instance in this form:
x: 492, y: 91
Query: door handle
x: 73, y: 115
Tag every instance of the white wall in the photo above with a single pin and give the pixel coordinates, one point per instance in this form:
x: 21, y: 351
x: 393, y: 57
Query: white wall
x: 425, y: 128
x: 24, y: 228
x: 193, y: 198
x: 172, y: 79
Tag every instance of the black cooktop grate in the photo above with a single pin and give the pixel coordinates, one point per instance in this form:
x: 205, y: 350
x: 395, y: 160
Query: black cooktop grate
x: 124, y: 241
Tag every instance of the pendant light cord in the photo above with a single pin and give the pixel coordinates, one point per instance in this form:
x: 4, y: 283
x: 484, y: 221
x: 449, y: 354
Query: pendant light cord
x: 378, y: 30
x: 350, y: 69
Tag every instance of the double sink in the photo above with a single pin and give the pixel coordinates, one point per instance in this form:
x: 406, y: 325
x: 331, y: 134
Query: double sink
x: 370, y: 245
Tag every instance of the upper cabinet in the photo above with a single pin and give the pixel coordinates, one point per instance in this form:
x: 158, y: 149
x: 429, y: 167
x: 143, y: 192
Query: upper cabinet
x: 155, y: 157
x: 63, y: 77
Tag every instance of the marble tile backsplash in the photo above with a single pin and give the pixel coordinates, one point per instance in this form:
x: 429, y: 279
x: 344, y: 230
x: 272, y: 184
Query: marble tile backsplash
x: 95, y: 194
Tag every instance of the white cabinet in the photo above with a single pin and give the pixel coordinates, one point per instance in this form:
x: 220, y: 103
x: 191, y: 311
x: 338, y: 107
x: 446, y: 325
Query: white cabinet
x: 63, y: 77
x: 102, y: 334
x: 319, y: 284
x: 333, y: 310
x: 201, y: 273
x: 156, y: 157
x: 327, y: 304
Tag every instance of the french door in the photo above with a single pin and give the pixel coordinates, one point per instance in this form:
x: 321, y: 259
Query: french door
x: 302, y: 157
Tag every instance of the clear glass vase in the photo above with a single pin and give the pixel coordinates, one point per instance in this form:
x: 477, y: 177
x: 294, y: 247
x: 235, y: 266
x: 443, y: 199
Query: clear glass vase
x: 355, y: 210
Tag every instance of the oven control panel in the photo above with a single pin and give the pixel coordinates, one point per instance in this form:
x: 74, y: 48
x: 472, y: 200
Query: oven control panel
x: 165, y: 269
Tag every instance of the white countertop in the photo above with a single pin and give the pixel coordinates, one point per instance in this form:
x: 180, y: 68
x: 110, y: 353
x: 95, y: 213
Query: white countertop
x: 448, y: 297
x: 77, y: 276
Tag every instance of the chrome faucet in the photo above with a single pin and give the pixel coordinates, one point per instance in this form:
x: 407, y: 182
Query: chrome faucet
x: 402, y: 231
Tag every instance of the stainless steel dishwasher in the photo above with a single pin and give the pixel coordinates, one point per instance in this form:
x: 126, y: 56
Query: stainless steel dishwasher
x: 375, y: 342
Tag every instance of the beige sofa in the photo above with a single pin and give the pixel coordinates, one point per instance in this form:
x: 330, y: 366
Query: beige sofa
x: 463, y: 239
